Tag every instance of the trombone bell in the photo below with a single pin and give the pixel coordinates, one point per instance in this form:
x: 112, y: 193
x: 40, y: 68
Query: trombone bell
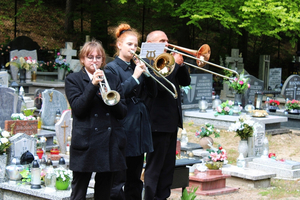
x: 164, y: 64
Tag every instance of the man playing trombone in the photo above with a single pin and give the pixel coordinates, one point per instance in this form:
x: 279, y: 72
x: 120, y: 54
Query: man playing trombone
x: 166, y: 117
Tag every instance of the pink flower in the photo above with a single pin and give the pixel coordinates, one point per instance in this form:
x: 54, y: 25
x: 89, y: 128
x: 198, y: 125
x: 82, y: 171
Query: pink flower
x: 219, y: 109
x: 248, y: 85
x: 241, y: 82
x: 58, y: 53
x: 230, y: 102
x: 227, y: 109
x: 214, y: 156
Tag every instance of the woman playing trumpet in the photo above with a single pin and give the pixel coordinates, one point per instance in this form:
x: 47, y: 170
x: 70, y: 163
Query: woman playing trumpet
x: 98, y: 137
x: 136, y: 86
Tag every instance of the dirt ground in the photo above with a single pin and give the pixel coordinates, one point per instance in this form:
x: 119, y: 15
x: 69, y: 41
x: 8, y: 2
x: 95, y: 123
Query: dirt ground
x: 285, y: 146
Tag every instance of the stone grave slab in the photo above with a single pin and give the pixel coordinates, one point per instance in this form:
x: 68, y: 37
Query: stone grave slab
x: 9, y: 103
x: 20, y: 143
x: 291, y: 87
x: 288, y: 169
x: 63, y: 130
x: 3, y: 78
x: 275, y: 77
x: 255, y: 86
x: 201, y: 86
x: 250, y: 177
x: 52, y: 101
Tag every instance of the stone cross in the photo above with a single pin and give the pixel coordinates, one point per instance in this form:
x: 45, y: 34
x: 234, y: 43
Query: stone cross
x: 63, y: 130
x: 69, y: 52
x: 235, y: 61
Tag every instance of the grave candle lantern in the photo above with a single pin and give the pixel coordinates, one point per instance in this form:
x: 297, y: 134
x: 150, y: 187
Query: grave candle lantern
x: 236, y: 109
x: 203, y: 104
x: 249, y: 107
x: 35, y: 175
x: 258, y: 100
x: 216, y: 102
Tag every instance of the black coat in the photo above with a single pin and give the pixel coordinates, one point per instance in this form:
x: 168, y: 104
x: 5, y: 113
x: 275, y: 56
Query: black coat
x: 98, y: 137
x: 137, y: 121
x: 166, y: 112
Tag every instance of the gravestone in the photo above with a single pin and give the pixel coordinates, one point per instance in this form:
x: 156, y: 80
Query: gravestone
x: 52, y: 101
x: 3, y: 78
x: 291, y: 87
x: 20, y: 143
x: 264, y: 67
x: 69, y: 52
x: 255, y: 86
x: 24, y: 53
x: 201, y: 86
x: 274, y: 77
x: 9, y: 103
x: 63, y: 129
x: 235, y: 62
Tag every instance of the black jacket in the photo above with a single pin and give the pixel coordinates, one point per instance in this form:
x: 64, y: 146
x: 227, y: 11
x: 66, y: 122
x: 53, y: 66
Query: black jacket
x: 98, y: 137
x: 137, y: 121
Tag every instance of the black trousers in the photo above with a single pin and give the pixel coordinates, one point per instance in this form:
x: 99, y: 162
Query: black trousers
x: 130, y: 179
x: 103, y: 184
x: 160, y: 166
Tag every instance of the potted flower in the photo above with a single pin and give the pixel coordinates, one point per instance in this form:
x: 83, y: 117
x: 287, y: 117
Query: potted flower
x: 216, y: 158
x: 23, y: 64
x: 244, y: 128
x: 61, y: 65
x: 239, y: 85
x: 204, y: 134
x: 63, y: 178
x: 293, y: 106
x: 273, y: 105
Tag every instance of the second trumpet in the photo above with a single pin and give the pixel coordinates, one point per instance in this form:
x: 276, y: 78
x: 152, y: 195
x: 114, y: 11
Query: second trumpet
x: 110, y: 97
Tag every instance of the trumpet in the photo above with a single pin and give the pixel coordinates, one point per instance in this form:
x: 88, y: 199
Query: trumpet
x: 156, y: 71
x: 201, y: 56
x: 110, y: 97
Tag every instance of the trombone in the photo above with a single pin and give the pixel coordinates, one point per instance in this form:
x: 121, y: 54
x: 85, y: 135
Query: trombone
x: 164, y: 62
x: 201, y: 56
x: 110, y: 97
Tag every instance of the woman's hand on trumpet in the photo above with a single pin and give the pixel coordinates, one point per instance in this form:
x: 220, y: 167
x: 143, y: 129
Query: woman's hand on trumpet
x: 97, y: 77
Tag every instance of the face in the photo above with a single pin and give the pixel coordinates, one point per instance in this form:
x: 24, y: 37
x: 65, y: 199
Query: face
x: 160, y: 37
x: 130, y: 42
x: 92, y: 58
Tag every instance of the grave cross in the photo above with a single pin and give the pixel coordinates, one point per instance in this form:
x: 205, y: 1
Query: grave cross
x: 236, y: 59
x: 64, y: 127
x: 68, y: 51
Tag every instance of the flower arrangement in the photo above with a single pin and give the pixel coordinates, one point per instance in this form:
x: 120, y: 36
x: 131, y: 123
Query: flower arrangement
x: 45, y: 66
x: 63, y: 174
x: 292, y: 105
x: 206, y: 131
x: 60, y: 62
x: 240, y: 84
x: 39, y: 140
x: 216, y: 157
x: 225, y: 108
x: 244, y: 127
x: 4, y: 141
x: 23, y: 63
x: 21, y: 116
x: 273, y: 102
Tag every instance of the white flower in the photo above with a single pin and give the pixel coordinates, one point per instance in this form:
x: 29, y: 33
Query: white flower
x: 5, y: 134
x: 4, y: 140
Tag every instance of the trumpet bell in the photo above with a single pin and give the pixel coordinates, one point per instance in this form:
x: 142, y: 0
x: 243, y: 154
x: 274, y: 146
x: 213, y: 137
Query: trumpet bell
x: 111, y: 98
x: 164, y: 64
x: 205, y: 52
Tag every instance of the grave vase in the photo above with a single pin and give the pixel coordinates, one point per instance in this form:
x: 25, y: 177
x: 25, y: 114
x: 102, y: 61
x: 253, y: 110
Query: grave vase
x: 3, y: 163
x: 62, y: 185
x: 28, y: 76
x: 205, y: 141
x: 273, y: 108
x: 60, y: 74
x: 22, y: 75
x: 243, y: 147
x: 294, y: 112
x: 238, y: 98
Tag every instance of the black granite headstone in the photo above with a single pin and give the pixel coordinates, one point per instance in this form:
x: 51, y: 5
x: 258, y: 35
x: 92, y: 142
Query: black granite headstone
x: 201, y: 86
x: 291, y: 87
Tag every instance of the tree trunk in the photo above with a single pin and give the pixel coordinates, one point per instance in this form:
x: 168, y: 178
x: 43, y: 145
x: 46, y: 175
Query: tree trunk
x: 69, y: 21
